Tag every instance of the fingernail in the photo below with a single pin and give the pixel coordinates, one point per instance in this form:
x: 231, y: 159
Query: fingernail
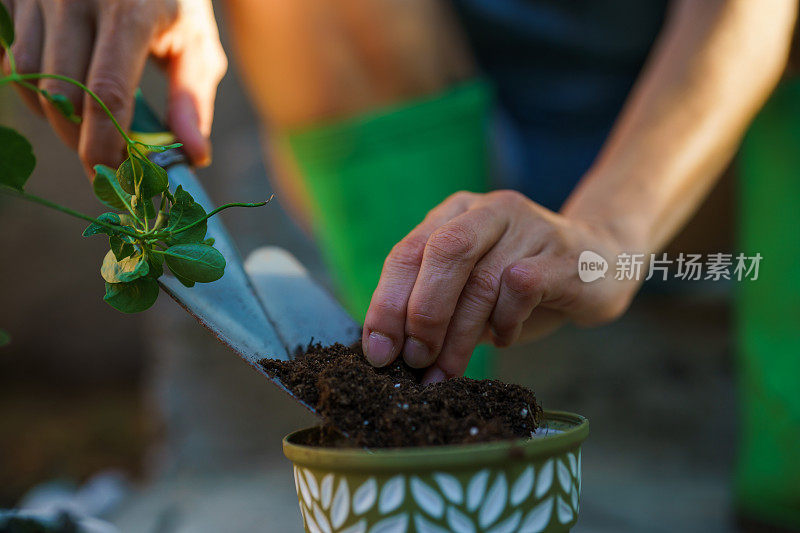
x: 416, y: 353
x: 434, y: 375
x: 379, y: 349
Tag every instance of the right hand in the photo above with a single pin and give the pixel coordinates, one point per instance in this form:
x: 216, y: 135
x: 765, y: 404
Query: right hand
x: 104, y: 44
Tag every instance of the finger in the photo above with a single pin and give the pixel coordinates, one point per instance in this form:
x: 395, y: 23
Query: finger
x: 450, y: 255
x: 520, y: 292
x: 68, y: 37
x: 384, y: 325
x: 194, y: 70
x: 27, y: 49
x: 117, y: 62
x: 471, y: 316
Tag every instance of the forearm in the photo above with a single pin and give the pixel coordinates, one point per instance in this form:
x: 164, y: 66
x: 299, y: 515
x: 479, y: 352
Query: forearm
x: 715, y: 64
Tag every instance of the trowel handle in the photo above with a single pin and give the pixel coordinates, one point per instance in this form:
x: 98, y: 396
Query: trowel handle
x: 148, y: 128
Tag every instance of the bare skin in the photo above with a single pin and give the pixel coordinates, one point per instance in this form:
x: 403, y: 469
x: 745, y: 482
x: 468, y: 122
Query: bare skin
x: 105, y: 45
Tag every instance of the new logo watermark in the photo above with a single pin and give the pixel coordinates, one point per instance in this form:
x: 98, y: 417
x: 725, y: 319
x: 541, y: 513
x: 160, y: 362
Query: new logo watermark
x: 591, y: 266
x: 689, y: 267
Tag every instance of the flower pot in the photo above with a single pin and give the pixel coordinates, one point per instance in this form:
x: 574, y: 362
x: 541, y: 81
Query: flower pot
x: 527, y: 485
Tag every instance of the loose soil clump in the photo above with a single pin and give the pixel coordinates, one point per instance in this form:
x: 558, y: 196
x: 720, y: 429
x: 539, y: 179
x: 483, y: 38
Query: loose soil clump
x: 388, y: 407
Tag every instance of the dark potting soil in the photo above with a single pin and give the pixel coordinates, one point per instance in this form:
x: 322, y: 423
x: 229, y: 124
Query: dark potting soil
x: 388, y: 407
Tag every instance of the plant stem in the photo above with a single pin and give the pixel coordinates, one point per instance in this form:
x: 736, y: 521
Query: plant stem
x: 12, y: 63
x: 211, y: 214
x: 39, y: 76
x: 52, y: 205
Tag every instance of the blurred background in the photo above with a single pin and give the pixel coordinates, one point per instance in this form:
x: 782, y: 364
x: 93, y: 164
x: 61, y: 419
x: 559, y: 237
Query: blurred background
x: 196, y: 435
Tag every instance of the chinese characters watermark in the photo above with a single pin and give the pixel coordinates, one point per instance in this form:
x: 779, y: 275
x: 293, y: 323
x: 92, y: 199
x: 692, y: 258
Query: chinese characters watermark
x: 687, y: 267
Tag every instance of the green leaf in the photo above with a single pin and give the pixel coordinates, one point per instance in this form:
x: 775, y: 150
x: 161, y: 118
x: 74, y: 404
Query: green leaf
x: 16, y: 159
x: 183, y: 212
x: 195, y: 262
x: 5, y: 338
x: 210, y: 241
x: 119, y: 247
x: 132, y: 297
x: 154, y: 178
x: 107, y: 189
x: 156, y: 263
x: 124, y: 270
x: 6, y: 27
x: 160, y: 148
x: 63, y: 104
x: 185, y: 282
x: 94, y: 228
x: 145, y: 205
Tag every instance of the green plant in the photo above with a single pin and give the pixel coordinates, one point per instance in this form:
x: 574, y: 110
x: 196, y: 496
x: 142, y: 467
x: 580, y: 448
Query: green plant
x: 141, y: 238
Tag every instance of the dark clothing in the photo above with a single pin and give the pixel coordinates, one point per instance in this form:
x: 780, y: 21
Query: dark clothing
x: 562, y: 70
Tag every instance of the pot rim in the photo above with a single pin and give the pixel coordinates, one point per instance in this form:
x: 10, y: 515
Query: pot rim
x: 449, y: 457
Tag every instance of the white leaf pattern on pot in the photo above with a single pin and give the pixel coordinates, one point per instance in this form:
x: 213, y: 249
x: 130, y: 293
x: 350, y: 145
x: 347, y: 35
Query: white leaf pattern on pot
x: 359, y: 527
x: 304, y: 489
x: 341, y: 504
x: 392, y: 494
x: 365, y: 496
x: 573, y: 464
x: 326, y: 491
x: 509, y: 525
x: 310, y: 524
x: 450, y: 487
x: 394, y: 524
x: 494, y: 503
x: 563, y: 475
x: 564, y: 510
x: 538, y: 517
x: 545, y: 478
x: 458, y: 521
x: 427, y: 498
x: 321, y: 519
x: 522, y: 486
x: 476, y: 489
x: 312, y: 484
x: 296, y: 486
x: 574, y: 496
x: 580, y: 453
x: 424, y: 526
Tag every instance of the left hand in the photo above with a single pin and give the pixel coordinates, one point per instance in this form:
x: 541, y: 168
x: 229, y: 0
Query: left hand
x: 486, y: 266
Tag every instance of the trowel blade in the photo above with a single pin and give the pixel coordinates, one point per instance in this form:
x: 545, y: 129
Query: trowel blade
x: 228, y: 307
x: 301, y: 309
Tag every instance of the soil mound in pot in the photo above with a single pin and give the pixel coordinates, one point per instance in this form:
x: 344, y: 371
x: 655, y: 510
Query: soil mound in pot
x: 388, y: 407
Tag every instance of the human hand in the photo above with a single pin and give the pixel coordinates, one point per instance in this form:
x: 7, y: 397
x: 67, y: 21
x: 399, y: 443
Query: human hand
x: 105, y: 44
x: 486, y: 266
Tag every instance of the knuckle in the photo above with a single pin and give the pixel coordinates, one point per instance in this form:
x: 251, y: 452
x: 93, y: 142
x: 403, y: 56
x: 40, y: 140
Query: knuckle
x: 522, y: 280
x: 406, y: 254
x: 220, y: 64
x: 483, y: 284
x: 26, y: 62
x: 387, y: 307
x: 508, y: 197
x: 111, y: 90
x: 453, y: 242
x: 420, y: 322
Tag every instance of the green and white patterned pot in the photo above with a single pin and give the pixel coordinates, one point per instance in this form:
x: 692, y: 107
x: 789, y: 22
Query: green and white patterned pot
x: 530, y: 485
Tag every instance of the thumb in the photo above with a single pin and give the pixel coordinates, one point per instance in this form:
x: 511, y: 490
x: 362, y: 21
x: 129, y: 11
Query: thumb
x: 194, y: 76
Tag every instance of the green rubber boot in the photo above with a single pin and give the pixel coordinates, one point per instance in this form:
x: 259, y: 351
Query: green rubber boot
x: 767, y: 484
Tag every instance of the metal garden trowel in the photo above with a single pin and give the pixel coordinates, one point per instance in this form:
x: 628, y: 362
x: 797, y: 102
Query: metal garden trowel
x: 266, y: 306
